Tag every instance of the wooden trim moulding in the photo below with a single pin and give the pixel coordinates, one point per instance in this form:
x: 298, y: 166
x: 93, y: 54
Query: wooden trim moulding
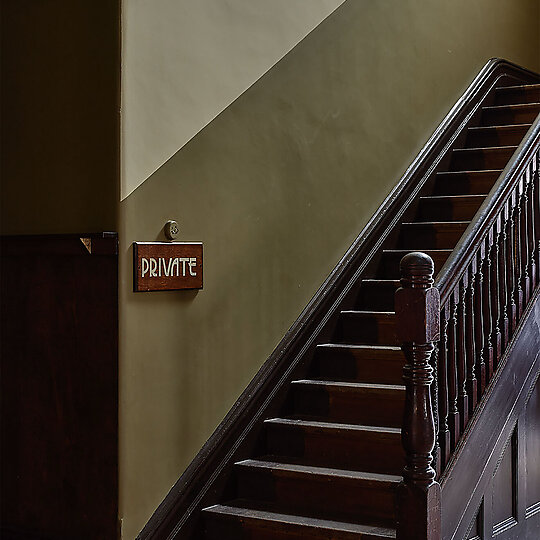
x: 104, y: 243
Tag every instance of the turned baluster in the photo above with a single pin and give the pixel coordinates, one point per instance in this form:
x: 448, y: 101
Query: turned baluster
x: 463, y: 399
x: 536, y: 182
x: 495, y: 310
x: 510, y: 266
x: 530, y: 228
x: 479, y: 322
x: 442, y: 377
x: 525, y: 281
x: 434, y: 392
x: 417, y: 322
x: 472, y: 382
x: 517, y: 252
x: 452, y: 359
x: 488, y: 319
x: 503, y: 294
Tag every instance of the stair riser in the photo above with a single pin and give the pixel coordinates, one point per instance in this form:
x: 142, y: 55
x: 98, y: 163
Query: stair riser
x: 378, y: 297
x: 448, y: 209
x: 216, y: 527
x: 477, y: 138
x: 362, y: 329
x: 465, y: 184
x: 473, y: 160
x: 338, y: 449
x: 378, y: 368
x: 332, y: 498
x: 349, y: 406
x: 389, y: 265
x: 517, y: 95
x: 430, y: 237
x: 496, y: 117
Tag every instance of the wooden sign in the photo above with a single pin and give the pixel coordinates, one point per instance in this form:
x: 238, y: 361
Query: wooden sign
x: 167, y: 266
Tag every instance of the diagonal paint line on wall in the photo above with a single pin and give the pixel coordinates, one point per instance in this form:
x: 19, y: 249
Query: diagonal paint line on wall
x: 185, y: 62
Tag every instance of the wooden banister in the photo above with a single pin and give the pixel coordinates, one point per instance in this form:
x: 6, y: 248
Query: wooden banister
x: 524, y: 158
x: 477, y: 300
x: 484, y: 288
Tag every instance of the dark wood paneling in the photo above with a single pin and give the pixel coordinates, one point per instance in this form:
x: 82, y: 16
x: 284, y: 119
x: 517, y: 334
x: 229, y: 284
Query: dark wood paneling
x: 511, y: 513
x: 532, y: 445
x: 59, y: 387
x: 503, y: 488
x: 492, y: 462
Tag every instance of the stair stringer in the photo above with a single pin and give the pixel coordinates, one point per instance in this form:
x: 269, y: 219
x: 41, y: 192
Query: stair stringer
x: 480, y: 449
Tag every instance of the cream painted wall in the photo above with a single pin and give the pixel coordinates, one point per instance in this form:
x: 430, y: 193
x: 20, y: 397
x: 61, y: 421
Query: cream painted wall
x: 277, y: 187
x: 204, y: 53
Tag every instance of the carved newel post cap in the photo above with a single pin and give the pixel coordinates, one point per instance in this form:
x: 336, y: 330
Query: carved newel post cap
x: 416, y: 270
x: 417, y: 302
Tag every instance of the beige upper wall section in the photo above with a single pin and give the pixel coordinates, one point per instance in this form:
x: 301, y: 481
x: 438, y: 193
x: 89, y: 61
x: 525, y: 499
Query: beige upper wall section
x: 184, y: 61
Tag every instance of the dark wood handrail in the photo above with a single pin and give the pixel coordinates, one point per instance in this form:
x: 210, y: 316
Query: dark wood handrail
x: 484, y: 290
x: 466, y: 248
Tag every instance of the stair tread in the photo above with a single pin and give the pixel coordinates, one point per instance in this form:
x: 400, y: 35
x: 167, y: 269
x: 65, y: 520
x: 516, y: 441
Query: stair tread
x: 473, y: 172
x: 424, y: 223
x: 497, y: 127
x: 346, y: 384
x: 332, y: 425
x: 361, y: 347
x: 320, y: 471
x: 484, y: 148
x: 452, y: 198
x: 423, y: 250
x: 291, y: 519
x: 517, y: 87
x: 368, y: 312
x: 512, y: 106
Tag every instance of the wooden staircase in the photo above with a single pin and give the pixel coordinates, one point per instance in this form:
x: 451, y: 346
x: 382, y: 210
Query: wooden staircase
x: 333, y: 460
x: 325, y: 464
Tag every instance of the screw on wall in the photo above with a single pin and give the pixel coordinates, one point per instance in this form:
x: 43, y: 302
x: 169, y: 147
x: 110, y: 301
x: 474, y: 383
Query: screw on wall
x: 171, y: 229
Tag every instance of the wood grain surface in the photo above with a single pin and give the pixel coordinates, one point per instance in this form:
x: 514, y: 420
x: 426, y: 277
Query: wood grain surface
x: 165, y: 266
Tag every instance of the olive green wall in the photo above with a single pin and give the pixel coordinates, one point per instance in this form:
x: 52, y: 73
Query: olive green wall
x: 277, y: 187
x: 60, y: 116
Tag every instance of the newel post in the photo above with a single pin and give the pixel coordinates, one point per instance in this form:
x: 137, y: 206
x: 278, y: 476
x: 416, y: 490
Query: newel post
x: 417, y: 302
